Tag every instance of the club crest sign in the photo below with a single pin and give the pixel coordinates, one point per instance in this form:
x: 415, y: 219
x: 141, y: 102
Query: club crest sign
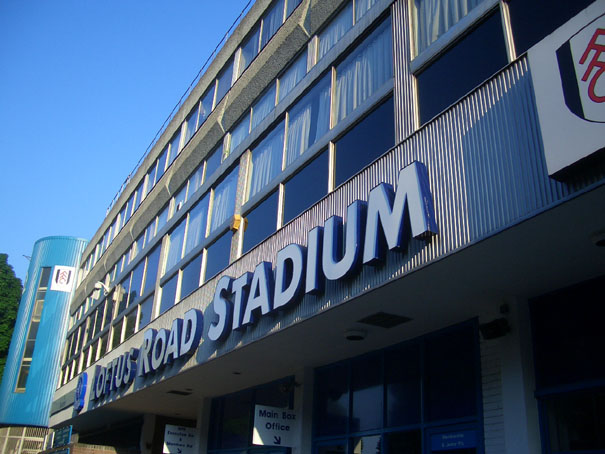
x: 63, y: 278
x: 568, y: 73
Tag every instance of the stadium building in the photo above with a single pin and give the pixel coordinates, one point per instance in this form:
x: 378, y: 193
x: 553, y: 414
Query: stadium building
x: 372, y: 226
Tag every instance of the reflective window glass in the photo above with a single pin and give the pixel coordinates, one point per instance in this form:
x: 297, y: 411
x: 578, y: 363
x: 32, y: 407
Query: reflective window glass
x: 335, y: 30
x: 261, y: 222
x: 190, y: 279
x: 308, y: 120
x: 402, y: 366
x: 145, y: 312
x: 266, y: 160
x: 240, y: 132
x: 163, y: 217
x: 362, y: 7
x: 363, y: 72
x: 249, y: 50
x: 162, y: 163
x: 272, y: 20
x: 306, y: 187
x: 174, y: 148
x: 332, y: 399
x: 192, y: 123
x: 293, y: 75
x: 432, y: 18
x: 175, y: 246
x: 151, y: 178
x: 195, y: 180
x: 367, y: 391
x: 224, y: 81
x: 179, y: 200
x: 217, y: 256
x: 223, y: 204
x: 168, y: 294
x: 263, y: 106
x: 116, y: 338
x: 151, y: 272
x: 361, y: 146
x: 213, y: 161
x: 460, y: 64
x: 533, y: 20
x: 130, y: 323
x: 198, y: 222
x: 291, y: 6
x: 206, y: 105
x: 136, y: 282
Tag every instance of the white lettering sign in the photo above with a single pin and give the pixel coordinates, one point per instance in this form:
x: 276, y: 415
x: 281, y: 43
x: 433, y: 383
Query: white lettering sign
x: 179, y: 440
x: 275, y: 426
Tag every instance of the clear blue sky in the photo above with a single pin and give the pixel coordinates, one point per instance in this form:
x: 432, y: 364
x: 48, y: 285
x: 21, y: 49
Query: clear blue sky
x: 84, y: 87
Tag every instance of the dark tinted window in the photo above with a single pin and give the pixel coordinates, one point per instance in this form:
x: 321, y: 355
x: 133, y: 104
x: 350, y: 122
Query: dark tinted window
x: 332, y: 397
x: 224, y: 81
x: 262, y: 221
x: 191, y: 276
x: 533, y: 20
x: 367, y: 391
x: 168, y: 294
x: 217, y: 257
x: 368, y: 140
x: 464, y: 66
x: 306, y: 187
x: 151, y: 274
x: 402, y: 367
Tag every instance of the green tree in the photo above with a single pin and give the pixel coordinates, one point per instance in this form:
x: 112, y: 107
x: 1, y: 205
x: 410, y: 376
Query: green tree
x: 10, y: 294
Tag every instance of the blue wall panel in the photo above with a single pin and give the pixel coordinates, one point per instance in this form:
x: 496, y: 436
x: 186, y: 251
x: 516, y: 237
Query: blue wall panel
x: 32, y: 407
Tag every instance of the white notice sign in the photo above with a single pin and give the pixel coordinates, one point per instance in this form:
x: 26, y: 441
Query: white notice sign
x: 179, y: 440
x: 275, y: 426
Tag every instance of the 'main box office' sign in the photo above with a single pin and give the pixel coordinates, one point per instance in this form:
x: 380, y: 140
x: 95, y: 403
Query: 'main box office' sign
x: 371, y: 228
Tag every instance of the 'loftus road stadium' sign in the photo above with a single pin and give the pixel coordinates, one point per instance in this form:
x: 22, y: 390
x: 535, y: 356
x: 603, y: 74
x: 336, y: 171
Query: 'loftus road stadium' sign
x: 371, y: 228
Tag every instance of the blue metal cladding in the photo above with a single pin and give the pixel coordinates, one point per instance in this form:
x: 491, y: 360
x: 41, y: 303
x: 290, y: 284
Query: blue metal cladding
x: 32, y: 407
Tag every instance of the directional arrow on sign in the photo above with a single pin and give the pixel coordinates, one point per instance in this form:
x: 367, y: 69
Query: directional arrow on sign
x: 277, y: 440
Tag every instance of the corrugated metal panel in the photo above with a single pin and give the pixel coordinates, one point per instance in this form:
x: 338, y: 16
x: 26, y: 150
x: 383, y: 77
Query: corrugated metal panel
x: 405, y: 94
x: 32, y: 406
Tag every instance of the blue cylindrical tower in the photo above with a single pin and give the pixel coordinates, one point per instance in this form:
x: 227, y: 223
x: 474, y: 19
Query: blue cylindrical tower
x: 32, y: 366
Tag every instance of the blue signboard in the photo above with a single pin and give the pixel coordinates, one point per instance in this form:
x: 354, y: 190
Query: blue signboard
x: 454, y: 440
x: 62, y: 437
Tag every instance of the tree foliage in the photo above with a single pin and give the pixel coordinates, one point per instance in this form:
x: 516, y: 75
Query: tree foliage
x: 10, y: 294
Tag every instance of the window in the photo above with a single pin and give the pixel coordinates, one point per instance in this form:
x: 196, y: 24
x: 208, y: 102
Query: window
x: 335, y: 30
x: 198, y: 222
x: 223, y: 205
x: 174, y: 148
x: 32, y: 333
x: 151, y: 272
x: 150, y: 178
x: 175, y: 245
x: 271, y: 21
x: 145, y: 312
x: 263, y: 106
x: 364, y: 71
x: 224, y: 81
x: 195, y: 180
x: 218, y: 255
x: 168, y: 294
x: 261, y: 222
x: 484, y: 44
x: 249, y: 50
x: 266, y: 160
x: 239, y: 132
x: 567, y: 337
x: 306, y: 187
x: 190, y: 276
x: 292, y: 76
x: 130, y: 323
x: 291, y: 6
x: 308, y: 120
x: 360, y: 146
x: 213, y: 161
x: 231, y: 417
x: 161, y: 164
x: 192, y: 123
x: 533, y: 20
x: 206, y: 105
x: 421, y: 385
x: 432, y: 18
